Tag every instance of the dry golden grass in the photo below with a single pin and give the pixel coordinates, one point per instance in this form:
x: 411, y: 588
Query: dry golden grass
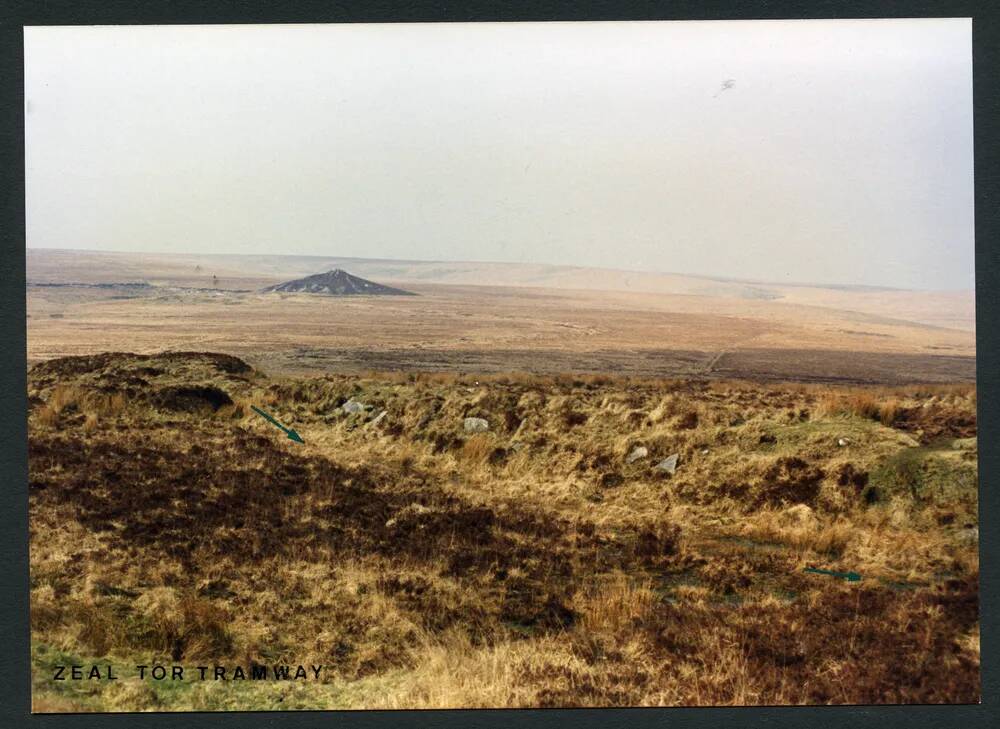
x: 799, y: 528
x: 615, y: 604
x: 477, y: 449
x: 531, y: 565
x: 46, y: 416
x: 91, y: 403
x: 859, y: 403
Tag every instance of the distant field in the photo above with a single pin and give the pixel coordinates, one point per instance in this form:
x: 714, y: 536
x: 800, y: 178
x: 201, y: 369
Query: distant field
x: 954, y: 309
x: 734, y: 331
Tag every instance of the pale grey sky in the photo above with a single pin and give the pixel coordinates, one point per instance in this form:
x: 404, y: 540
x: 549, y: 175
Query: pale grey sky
x: 799, y: 151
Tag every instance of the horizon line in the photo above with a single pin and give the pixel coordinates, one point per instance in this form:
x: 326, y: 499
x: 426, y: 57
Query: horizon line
x: 705, y: 276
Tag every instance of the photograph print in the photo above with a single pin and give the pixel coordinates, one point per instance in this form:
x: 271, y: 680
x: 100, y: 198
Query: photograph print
x: 501, y: 365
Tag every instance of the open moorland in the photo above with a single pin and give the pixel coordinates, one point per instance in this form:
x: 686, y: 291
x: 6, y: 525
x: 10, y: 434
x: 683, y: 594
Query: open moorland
x: 558, y: 319
x: 598, y: 541
x: 523, y: 486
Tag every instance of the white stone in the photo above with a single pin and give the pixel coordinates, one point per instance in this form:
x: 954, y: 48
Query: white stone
x: 637, y: 453
x: 668, y: 464
x: 353, y: 406
x: 967, y: 536
x: 476, y: 425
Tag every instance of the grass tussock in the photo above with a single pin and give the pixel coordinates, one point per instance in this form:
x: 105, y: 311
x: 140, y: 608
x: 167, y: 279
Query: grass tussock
x: 799, y: 528
x: 615, y: 604
x: 90, y: 404
x: 859, y: 403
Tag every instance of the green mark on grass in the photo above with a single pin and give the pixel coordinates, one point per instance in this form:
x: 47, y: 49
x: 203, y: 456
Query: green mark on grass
x: 290, y: 432
x: 849, y: 576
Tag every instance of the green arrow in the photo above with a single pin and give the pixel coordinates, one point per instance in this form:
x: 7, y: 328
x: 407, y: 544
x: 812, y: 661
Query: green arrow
x: 290, y: 432
x: 849, y: 576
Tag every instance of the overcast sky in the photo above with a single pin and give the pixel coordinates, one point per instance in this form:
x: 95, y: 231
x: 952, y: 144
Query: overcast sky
x: 800, y: 151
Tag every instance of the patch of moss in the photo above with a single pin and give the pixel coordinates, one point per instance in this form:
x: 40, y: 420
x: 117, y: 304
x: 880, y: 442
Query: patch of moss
x: 925, y: 474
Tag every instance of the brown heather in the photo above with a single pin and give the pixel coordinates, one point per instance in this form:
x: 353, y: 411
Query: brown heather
x: 531, y: 565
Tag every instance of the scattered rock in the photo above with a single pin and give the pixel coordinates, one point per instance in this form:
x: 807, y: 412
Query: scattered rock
x: 967, y: 536
x: 476, y: 425
x: 668, y: 464
x: 843, y: 442
x: 637, y: 453
x: 353, y: 406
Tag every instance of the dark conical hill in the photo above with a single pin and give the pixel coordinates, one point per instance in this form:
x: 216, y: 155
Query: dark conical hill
x: 337, y: 283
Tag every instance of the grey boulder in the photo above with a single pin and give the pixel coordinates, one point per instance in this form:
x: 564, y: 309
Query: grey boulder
x: 476, y: 425
x: 637, y: 453
x: 668, y: 464
x: 353, y: 406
